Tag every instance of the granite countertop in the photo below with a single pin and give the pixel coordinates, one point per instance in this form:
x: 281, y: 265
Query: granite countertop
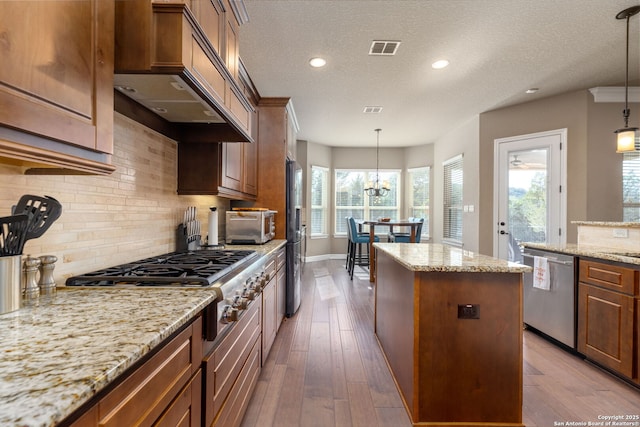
x: 60, y: 352
x: 604, y: 253
x: 608, y: 224
x: 438, y: 257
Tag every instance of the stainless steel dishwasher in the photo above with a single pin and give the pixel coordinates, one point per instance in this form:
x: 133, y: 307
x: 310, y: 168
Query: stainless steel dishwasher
x: 552, y: 311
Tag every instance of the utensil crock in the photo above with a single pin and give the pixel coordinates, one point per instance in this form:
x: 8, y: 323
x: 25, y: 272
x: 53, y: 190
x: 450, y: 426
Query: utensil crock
x: 10, y: 283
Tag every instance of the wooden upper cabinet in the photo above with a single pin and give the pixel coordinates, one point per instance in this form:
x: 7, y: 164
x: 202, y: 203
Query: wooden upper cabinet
x: 210, y: 15
x: 231, y: 42
x: 56, y: 96
x: 179, y: 59
x: 232, y: 165
x: 276, y: 127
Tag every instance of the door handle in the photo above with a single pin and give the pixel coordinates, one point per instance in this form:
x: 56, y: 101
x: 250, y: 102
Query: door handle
x: 503, y: 232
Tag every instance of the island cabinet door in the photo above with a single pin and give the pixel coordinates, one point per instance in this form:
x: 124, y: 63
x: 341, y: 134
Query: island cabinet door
x: 469, y: 354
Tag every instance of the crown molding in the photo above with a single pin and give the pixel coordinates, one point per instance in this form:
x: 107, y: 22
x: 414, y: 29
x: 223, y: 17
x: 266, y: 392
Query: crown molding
x: 614, y: 94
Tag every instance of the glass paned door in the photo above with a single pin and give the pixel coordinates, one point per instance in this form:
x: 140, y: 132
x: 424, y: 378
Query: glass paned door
x: 530, y: 202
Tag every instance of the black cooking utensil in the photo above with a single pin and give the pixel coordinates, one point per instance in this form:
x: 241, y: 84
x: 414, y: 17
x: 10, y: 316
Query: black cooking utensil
x: 43, y: 212
x: 13, y: 231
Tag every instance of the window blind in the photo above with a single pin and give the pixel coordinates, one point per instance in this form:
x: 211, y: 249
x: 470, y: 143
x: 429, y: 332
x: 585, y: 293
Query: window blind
x: 452, y: 203
x: 631, y: 187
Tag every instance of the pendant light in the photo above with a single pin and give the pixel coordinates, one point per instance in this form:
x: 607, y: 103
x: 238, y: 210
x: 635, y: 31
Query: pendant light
x: 627, y: 136
x: 377, y: 188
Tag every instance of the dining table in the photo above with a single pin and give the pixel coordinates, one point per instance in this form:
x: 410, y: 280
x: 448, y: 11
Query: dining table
x: 413, y: 225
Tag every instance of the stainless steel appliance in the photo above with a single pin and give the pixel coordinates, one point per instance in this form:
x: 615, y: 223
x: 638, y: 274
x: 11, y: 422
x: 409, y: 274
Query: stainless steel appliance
x: 551, y: 311
x: 294, y: 236
x: 250, y: 226
x: 236, y: 276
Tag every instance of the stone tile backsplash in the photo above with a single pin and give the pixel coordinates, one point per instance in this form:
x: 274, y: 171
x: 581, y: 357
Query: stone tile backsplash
x: 107, y: 220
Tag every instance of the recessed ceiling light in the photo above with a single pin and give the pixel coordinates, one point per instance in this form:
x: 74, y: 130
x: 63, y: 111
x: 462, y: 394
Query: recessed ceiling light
x: 440, y: 64
x: 317, y: 62
x: 532, y: 90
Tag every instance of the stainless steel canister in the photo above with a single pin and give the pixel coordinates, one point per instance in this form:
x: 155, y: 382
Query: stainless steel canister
x: 10, y: 283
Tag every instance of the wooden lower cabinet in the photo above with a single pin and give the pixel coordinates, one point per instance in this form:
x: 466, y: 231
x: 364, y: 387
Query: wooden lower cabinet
x: 269, y: 309
x: 281, y: 284
x: 605, y: 328
x: 234, y: 408
x: 608, y: 316
x: 231, y: 370
x: 164, y: 391
x: 186, y: 409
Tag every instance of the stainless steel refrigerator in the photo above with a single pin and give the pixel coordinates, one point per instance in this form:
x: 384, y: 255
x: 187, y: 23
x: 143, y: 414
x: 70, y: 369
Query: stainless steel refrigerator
x: 294, y: 209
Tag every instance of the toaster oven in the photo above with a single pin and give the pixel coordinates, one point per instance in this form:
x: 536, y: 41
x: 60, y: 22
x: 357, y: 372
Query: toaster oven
x: 253, y: 227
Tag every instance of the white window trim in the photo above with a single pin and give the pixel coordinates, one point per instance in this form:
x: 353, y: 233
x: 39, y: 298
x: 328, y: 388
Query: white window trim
x: 325, y: 203
x: 409, y: 196
x: 399, y: 201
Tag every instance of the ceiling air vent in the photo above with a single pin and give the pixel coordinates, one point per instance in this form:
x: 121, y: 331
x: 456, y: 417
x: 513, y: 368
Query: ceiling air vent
x: 384, y: 47
x: 372, y: 110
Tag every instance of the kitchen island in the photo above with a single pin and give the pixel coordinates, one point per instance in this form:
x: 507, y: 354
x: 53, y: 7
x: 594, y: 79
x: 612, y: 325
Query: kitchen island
x: 449, y: 323
x: 67, y: 350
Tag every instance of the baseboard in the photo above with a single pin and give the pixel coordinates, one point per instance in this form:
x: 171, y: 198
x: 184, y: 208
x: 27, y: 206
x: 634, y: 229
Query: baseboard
x: 325, y: 257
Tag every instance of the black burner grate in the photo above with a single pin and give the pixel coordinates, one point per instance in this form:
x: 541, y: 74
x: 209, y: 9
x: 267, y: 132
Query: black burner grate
x: 193, y: 268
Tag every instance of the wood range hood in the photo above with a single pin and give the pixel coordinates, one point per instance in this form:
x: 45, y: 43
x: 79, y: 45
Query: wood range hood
x: 177, y: 70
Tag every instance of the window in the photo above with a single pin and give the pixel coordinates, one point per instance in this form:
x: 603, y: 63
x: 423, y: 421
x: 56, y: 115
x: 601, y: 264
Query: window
x: 419, y: 196
x: 452, y: 205
x: 631, y: 187
x: 319, y: 192
x: 352, y: 201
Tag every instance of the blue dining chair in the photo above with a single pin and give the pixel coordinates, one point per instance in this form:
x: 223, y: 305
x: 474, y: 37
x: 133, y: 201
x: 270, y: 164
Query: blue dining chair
x: 406, y: 237
x: 354, y: 250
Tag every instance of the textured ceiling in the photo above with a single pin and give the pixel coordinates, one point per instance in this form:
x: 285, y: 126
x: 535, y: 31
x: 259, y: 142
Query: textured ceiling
x: 497, y: 49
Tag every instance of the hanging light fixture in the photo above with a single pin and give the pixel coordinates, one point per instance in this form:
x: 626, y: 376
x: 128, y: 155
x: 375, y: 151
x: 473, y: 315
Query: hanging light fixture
x: 377, y: 188
x: 627, y: 136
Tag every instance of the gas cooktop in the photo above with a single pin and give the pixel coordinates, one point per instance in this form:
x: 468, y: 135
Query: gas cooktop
x: 198, y: 268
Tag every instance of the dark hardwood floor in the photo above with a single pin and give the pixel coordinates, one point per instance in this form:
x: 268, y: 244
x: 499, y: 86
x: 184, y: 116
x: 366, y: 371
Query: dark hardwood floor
x: 326, y: 368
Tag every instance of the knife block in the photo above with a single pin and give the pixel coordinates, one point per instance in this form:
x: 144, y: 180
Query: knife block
x: 182, y: 240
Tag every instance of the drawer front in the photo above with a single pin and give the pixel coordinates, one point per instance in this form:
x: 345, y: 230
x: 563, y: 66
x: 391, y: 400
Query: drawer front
x: 224, y: 364
x: 185, y: 410
x: 281, y: 258
x: 270, y: 268
x: 233, y: 410
x: 156, y: 383
x: 616, y: 278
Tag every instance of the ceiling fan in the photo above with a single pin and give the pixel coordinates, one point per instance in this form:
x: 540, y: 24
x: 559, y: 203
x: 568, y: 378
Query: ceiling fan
x: 517, y: 163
